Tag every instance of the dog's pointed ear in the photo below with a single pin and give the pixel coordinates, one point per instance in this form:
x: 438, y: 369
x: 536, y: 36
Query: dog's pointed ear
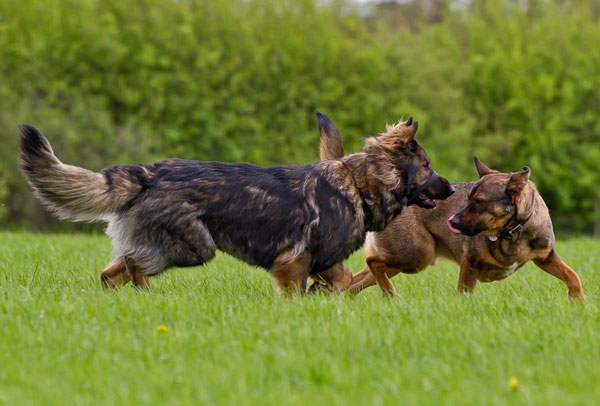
x: 482, y: 170
x: 405, y: 132
x: 413, y: 128
x: 517, y: 181
x: 331, y: 141
x: 397, y: 136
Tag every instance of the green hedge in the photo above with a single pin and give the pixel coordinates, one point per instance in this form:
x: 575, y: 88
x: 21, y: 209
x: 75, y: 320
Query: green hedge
x: 126, y: 81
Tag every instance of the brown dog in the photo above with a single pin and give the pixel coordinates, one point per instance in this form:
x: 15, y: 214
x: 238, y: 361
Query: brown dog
x: 491, y: 228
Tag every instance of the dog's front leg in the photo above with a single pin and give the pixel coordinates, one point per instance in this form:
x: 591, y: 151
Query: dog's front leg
x: 335, y: 279
x: 555, y: 266
x: 291, y: 272
x: 468, y: 276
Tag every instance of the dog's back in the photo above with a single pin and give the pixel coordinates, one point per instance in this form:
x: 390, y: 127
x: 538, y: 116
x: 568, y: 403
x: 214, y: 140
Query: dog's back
x: 250, y: 212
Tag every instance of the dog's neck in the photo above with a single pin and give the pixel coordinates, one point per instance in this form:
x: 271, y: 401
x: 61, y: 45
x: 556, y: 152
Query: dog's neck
x: 526, y: 218
x: 537, y: 209
x: 380, y: 202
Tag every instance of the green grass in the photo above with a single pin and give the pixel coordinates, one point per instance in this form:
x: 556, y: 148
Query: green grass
x: 233, y: 340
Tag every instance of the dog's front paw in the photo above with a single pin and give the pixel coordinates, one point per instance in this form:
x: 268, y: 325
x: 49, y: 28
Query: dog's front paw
x: 319, y: 287
x: 576, y: 294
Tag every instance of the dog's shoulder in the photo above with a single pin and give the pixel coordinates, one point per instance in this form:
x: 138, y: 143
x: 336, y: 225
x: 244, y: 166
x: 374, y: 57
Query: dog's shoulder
x: 541, y: 224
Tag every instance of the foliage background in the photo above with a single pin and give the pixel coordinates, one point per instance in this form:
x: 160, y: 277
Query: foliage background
x: 123, y: 81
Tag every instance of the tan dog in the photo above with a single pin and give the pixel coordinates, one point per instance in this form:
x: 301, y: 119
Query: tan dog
x: 491, y: 228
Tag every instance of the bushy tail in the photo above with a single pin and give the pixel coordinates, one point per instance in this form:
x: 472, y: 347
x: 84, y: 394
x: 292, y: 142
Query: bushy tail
x: 71, y: 192
x: 331, y: 142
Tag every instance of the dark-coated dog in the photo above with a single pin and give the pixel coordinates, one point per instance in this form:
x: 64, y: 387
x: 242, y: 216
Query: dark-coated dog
x: 295, y: 221
x: 491, y: 228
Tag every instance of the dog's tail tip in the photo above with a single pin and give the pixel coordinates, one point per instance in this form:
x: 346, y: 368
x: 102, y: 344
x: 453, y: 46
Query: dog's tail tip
x: 33, y: 142
x: 324, y: 121
x: 331, y: 141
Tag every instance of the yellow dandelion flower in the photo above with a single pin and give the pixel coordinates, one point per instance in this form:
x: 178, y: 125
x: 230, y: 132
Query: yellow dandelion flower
x: 162, y: 329
x: 513, y: 383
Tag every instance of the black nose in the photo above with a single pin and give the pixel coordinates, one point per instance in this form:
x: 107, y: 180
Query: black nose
x: 455, y: 221
x: 451, y: 189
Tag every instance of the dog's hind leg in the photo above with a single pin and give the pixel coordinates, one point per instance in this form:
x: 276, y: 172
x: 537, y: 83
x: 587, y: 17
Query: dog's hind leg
x: 115, y: 275
x: 410, y: 264
x: 362, y: 280
x: 382, y: 274
x: 555, y: 266
x: 135, y: 272
x: 291, y: 272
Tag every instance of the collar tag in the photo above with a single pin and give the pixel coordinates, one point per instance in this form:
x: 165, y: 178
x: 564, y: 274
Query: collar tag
x: 517, y: 228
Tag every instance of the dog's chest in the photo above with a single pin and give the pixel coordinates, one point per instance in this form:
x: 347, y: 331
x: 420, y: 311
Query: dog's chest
x: 498, y: 272
x: 510, y: 269
x: 334, y: 239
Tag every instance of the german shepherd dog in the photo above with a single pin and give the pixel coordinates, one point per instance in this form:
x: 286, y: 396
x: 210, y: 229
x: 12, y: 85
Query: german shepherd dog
x: 295, y: 221
x: 491, y: 227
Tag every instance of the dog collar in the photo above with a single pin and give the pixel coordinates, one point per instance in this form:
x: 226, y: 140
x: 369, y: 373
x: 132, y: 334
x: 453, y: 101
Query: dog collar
x: 367, y: 206
x: 508, y: 234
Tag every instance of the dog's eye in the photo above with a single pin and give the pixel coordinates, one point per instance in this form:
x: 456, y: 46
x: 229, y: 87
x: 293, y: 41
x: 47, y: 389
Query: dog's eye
x: 427, y: 165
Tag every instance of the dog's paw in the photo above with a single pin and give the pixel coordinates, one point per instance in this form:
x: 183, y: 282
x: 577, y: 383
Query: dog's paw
x: 319, y: 287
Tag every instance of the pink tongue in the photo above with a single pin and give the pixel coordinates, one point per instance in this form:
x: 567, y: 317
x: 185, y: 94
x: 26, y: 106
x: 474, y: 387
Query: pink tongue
x: 454, y: 230
x: 426, y: 199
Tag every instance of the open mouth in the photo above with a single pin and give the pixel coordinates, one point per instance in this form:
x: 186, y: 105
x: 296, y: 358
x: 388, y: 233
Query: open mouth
x: 452, y: 228
x: 425, y: 201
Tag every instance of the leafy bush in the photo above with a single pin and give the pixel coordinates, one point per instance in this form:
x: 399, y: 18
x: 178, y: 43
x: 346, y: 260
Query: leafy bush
x: 126, y: 81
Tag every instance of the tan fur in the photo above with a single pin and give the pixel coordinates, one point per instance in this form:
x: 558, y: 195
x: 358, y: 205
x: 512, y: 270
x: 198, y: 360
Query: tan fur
x: 331, y: 143
x: 335, y: 279
x: 290, y: 271
x: 85, y: 192
x: 115, y: 275
x: 136, y: 273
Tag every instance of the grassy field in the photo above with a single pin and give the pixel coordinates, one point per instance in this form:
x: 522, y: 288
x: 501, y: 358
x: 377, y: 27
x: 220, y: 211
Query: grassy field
x: 231, y: 339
